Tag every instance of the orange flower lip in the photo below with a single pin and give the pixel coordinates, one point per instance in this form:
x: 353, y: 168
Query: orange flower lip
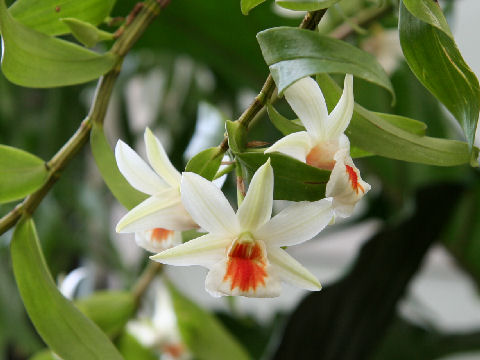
x: 246, y: 266
x: 354, y: 179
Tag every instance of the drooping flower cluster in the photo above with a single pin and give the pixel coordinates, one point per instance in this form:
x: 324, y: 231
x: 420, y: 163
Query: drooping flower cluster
x: 243, y: 250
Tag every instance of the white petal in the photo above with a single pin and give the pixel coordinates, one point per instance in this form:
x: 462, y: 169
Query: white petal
x: 159, y: 160
x: 340, y: 117
x: 136, y: 171
x: 252, y: 278
x: 291, y: 271
x: 296, y: 145
x: 164, y: 210
x: 306, y: 99
x: 205, y: 250
x: 345, y: 185
x: 295, y: 224
x: 158, y: 239
x: 207, y: 205
x: 256, y: 208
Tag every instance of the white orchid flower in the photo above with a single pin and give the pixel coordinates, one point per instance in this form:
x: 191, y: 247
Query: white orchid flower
x: 324, y: 144
x: 163, y: 209
x: 158, y: 239
x: 243, y: 250
x: 324, y: 134
x: 345, y: 185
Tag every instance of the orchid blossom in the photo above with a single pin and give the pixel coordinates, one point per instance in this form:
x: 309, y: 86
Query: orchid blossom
x: 155, y: 219
x: 243, y: 250
x: 324, y: 144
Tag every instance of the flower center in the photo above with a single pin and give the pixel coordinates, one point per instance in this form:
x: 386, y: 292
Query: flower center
x: 321, y: 156
x: 354, y: 179
x: 246, y: 266
x: 160, y: 234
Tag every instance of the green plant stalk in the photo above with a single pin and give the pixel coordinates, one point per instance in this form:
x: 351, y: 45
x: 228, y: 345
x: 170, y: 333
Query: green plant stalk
x: 131, y: 33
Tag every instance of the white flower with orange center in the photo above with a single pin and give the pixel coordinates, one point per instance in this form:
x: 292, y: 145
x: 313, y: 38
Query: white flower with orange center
x: 324, y: 143
x: 243, y: 250
x: 155, y: 219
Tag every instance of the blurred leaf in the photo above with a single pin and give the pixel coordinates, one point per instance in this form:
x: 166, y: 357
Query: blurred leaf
x: 63, y: 328
x: 434, y: 58
x: 247, y: 5
x: 45, y: 15
x: 203, y: 334
x: 107, y: 165
x: 308, y: 182
x: 21, y: 173
x: 43, y: 355
x: 33, y: 59
x: 293, y: 53
x: 206, y: 163
x: 306, y: 5
x: 110, y: 310
x: 88, y: 34
x: 131, y: 349
x: 372, y: 133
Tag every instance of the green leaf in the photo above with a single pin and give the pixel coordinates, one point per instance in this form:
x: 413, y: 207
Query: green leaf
x: 309, y: 182
x: 435, y: 60
x: 131, y: 349
x: 306, y: 5
x: 110, y: 310
x: 373, y: 133
x: 237, y: 135
x: 430, y: 12
x: 107, y: 165
x: 21, y: 173
x: 412, y: 126
x: 43, y: 355
x: 36, y: 60
x: 63, y: 327
x: 88, y: 34
x: 44, y: 16
x: 206, y: 163
x: 284, y: 125
x: 293, y: 53
x: 203, y: 334
x: 247, y: 5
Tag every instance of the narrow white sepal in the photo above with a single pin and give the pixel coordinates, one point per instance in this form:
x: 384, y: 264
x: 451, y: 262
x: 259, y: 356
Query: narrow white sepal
x: 291, y: 271
x: 307, y: 101
x: 256, y: 208
x: 297, y: 223
x: 159, y: 160
x: 341, y: 115
x: 136, y: 170
x: 207, y: 205
x: 205, y: 250
x: 296, y: 145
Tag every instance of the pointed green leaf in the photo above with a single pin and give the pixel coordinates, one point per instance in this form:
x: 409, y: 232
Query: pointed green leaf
x: 203, y: 334
x: 21, y: 173
x: 206, y: 163
x: 293, y: 53
x: 430, y: 12
x: 284, y: 125
x: 412, y: 126
x: 309, y: 182
x: 44, y: 16
x: 110, y: 310
x: 306, y: 5
x: 33, y: 59
x: 88, y: 34
x: 63, y: 327
x: 373, y: 133
x: 247, y: 5
x: 107, y: 165
x: 435, y: 60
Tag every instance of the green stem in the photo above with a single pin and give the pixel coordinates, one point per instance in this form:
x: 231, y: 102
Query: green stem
x: 131, y: 33
x: 143, y: 283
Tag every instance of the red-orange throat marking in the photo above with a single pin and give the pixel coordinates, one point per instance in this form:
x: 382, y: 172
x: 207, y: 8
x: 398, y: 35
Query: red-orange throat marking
x: 246, y: 266
x: 354, y: 179
x: 160, y: 234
